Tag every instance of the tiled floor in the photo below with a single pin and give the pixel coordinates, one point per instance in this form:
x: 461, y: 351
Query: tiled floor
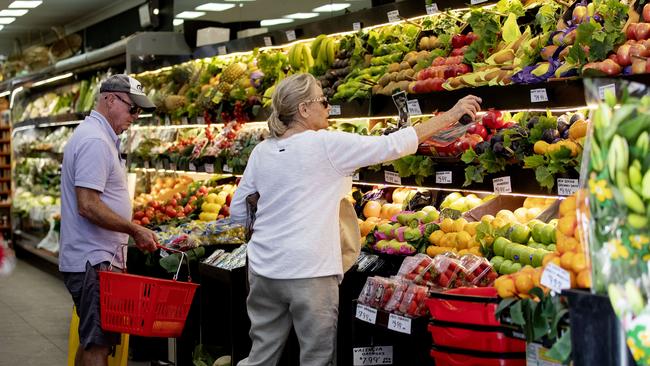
x: 35, y: 312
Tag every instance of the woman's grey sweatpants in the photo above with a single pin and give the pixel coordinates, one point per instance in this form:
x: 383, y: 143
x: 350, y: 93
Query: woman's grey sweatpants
x: 310, y: 304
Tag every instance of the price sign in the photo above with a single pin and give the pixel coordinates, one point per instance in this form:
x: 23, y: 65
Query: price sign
x: 567, y: 187
x: 209, y: 168
x: 268, y: 42
x: 443, y: 177
x: 604, y: 89
x: 291, y: 35
x: 366, y: 313
x: 502, y: 185
x: 555, y: 278
x: 192, y: 167
x: 227, y: 169
x: 392, y: 177
x: 167, y: 121
x: 335, y: 110
x: 355, y: 176
x: 163, y: 253
x: 474, y: 2
x: 538, y: 95
x: 221, y: 50
x: 414, y: 107
x: 356, y: 26
x: 432, y: 9
x: 393, y: 16
x: 399, y: 323
x: 200, y: 120
x: 381, y: 355
x: 146, y: 164
x: 159, y: 165
x: 172, y: 166
x: 184, y: 120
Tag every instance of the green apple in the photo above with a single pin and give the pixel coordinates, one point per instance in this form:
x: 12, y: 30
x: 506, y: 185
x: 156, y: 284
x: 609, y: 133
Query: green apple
x: 527, y: 256
x: 551, y: 248
x: 548, y: 234
x: 532, y: 244
x: 405, y: 218
x: 509, y: 251
x: 538, y: 257
x: 420, y: 215
x: 505, y: 266
x: 516, y: 267
x: 536, y: 232
x: 459, y: 205
x: 520, y: 234
x: 499, y: 246
x: 496, y: 262
x: 533, y: 222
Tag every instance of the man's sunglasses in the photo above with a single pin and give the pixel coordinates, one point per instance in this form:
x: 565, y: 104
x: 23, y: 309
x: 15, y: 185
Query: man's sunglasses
x: 322, y: 100
x: 133, y: 109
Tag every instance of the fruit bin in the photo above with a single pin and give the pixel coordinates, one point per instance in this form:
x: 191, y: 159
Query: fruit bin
x: 465, y: 305
x: 444, y: 356
x: 474, y: 337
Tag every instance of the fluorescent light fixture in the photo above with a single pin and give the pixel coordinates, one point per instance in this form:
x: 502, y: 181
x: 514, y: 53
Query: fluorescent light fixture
x: 178, y: 22
x: 331, y: 7
x: 13, y: 95
x: 190, y: 14
x: 301, y: 15
x: 269, y: 22
x: 52, y: 79
x: 240, y: 1
x: 25, y: 4
x: 5, y: 93
x: 7, y: 20
x: 214, y: 7
x: 13, y: 12
x: 1, y: 26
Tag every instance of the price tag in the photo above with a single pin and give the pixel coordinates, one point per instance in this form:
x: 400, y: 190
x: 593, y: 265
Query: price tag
x: 163, y: 253
x: 159, y: 165
x: 393, y: 16
x: 392, y: 177
x: 335, y: 110
x: 538, y: 95
x: 172, y: 166
x: 146, y: 164
x: 381, y: 355
x: 356, y: 26
x: 227, y: 169
x: 167, y: 121
x: 355, y: 176
x: 603, y: 89
x: 268, y: 42
x: 474, y: 2
x: 443, y: 177
x: 209, y: 168
x: 555, y: 278
x: 200, y: 120
x: 192, y: 167
x: 366, y: 313
x: 432, y: 9
x: 399, y: 323
x: 291, y: 35
x: 502, y: 185
x: 567, y: 187
x: 221, y: 50
x: 414, y: 107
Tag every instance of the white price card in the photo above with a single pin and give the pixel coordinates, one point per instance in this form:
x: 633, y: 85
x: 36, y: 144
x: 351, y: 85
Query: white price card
x: 355, y: 176
x: 192, y: 167
x: 474, y: 2
x: 393, y: 16
x: 603, y: 89
x: 163, y: 253
x: 227, y: 169
x: 538, y: 95
x: 366, y: 313
x: 356, y: 26
x: 567, y: 187
x: 146, y: 164
x: 172, y: 166
x: 443, y: 177
x: 268, y: 41
x: 555, y: 278
x: 392, y: 177
x: 335, y: 110
x: 209, y: 168
x: 399, y: 323
x: 502, y: 185
x: 414, y: 107
x: 291, y: 35
x: 167, y: 121
x: 200, y: 120
x: 432, y: 9
x: 221, y: 50
x: 380, y: 355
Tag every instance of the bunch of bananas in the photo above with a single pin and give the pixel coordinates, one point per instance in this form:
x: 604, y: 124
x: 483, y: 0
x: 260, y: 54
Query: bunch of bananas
x: 323, y: 50
x: 300, y: 58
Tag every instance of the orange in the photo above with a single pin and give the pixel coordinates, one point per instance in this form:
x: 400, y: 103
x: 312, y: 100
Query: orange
x: 506, y: 287
x: 568, y: 206
x: 572, y: 276
x: 523, y: 283
x: 584, y: 278
x: 536, y: 277
x: 566, y: 260
x: 372, y: 209
x: 579, y: 262
x: 567, y: 224
x: 551, y: 258
x: 565, y: 243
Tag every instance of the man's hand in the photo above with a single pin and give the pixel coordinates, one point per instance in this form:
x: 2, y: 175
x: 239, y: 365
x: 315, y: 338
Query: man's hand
x: 469, y: 105
x: 145, y: 239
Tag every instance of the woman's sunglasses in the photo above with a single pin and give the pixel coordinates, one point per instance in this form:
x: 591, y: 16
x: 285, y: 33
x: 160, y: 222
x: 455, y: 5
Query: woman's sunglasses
x: 133, y: 109
x: 322, y: 100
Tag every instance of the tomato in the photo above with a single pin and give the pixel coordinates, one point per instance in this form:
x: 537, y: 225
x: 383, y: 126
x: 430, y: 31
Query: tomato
x: 154, y: 204
x: 192, y: 199
x: 229, y: 199
x: 170, y: 212
x: 149, y: 214
x: 188, y: 208
x: 173, y: 202
x: 138, y: 215
x: 180, y: 215
x: 183, y: 194
x: 145, y: 221
x: 203, y: 189
x: 137, y: 222
x: 225, y: 210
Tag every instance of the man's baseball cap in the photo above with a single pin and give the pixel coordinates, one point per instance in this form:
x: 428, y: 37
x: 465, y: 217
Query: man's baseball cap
x: 125, y: 84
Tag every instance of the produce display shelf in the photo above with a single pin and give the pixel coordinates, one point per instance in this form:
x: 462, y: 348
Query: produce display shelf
x: 5, y: 205
x: 52, y: 121
x: 6, y: 141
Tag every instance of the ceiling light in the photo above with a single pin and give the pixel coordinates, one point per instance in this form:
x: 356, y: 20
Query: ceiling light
x: 53, y: 79
x: 215, y: 7
x: 331, y: 7
x: 156, y: 11
x: 190, y: 14
x: 25, y: 4
x: 7, y: 20
x: 269, y: 22
x: 240, y: 1
x: 13, y: 12
x: 301, y: 15
x: 178, y: 22
x: 1, y: 26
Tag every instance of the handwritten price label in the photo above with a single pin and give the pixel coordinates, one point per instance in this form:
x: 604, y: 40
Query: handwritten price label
x: 184, y: 120
x: 209, y: 168
x: 538, y: 95
x: 222, y: 50
x: 392, y: 177
x: 432, y: 9
x: 443, y: 177
x: 502, y: 185
x: 227, y: 169
x: 567, y: 187
x: 335, y: 110
x: 192, y: 167
x: 381, y: 355
x: 399, y: 323
x: 414, y: 107
x: 602, y: 90
x: 393, y: 16
x: 355, y: 176
x: 555, y: 278
x: 291, y: 35
x: 366, y: 313
x: 356, y: 26
x: 268, y: 41
x: 474, y: 2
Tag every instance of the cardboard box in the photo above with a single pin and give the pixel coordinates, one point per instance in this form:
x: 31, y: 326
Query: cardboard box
x: 536, y: 355
x: 493, y: 206
x: 251, y: 32
x: 212, y: 35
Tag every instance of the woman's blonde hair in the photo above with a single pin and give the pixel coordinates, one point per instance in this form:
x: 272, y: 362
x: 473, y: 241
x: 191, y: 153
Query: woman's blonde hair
x: 288, y: 95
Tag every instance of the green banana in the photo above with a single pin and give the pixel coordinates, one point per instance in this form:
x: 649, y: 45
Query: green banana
x: 602, y: 119
x: 645, y: 184
x: 637, y: 221
x: 643, y: 143
x: 635, y: 176
x: 618, y: 156
x: 622, y: 179
x: 632, y: 200
x: 597, y: 162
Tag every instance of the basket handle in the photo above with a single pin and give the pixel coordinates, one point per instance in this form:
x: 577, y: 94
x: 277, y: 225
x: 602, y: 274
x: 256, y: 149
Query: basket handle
x: 161, y: 247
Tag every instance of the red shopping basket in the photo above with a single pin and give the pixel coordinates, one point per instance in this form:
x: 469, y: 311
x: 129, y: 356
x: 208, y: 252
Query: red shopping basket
x: 144, y: 306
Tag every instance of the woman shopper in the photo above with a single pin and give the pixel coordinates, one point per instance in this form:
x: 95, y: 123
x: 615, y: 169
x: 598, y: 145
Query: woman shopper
x: 294, y: 256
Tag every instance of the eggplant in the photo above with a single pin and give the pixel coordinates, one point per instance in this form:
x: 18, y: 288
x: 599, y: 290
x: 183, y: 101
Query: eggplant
x: 532, y: 122
x: 550, y: 135
x: 576, y: 116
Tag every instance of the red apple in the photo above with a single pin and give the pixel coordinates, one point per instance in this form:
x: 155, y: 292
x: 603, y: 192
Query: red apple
x: 471, y: 37
x: 623, y: 55
x: 428, y: 86
x: 437, y: 84
x: 463, y: 69
x: 450, y: 72
x: 438, y: 61
x: 610, y: 67
x: 642, y: 31
x: 638, y: 50
x: 458, y: 41
x: 646, y: 12
x: 639, y: 66
x: 630, y: 31
x: 614, y: 58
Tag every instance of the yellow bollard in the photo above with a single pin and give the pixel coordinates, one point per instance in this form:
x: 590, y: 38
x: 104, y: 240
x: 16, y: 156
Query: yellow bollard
x: 121, y: 356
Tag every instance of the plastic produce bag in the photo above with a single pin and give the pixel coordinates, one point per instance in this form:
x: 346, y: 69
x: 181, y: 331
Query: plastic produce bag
x: 51, y: 241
